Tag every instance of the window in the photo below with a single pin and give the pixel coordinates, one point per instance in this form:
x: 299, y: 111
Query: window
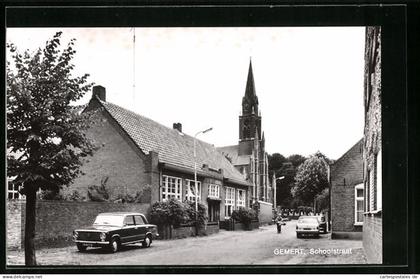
x: 139, y: 220
x: 358, y: 204
x: 229, y: 201
x: 171, y: 187
x: 214, y: 191
x: 241, y: 198
x: 13, y: 191
x: 129, y: 220
x: 190, y: 190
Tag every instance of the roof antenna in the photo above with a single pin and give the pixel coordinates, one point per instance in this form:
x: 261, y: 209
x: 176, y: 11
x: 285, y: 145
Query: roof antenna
x: 134, y: 67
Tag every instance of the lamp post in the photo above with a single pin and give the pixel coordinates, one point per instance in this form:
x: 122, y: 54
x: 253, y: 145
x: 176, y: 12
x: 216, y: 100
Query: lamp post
x: 275, y: 191
x: 195, y: 169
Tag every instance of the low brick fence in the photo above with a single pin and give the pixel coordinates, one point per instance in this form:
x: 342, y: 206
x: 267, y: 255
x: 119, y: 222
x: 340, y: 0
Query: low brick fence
x: 187, y: 230
x: 56, y: 220
x: 232, y: 225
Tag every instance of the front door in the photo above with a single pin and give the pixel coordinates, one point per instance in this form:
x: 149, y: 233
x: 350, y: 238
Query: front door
x: 214, y: 211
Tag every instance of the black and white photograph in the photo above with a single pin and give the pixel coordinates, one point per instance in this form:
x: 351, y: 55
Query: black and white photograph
x: 157, y: 146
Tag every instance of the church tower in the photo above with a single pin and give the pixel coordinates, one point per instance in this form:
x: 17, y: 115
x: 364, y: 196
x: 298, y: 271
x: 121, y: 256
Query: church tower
x: 250, y: 120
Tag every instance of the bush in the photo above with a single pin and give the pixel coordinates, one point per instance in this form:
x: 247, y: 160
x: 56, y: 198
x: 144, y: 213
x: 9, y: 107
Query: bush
x: 142, y: 196
x: 48, y: 194
x: 244, y: 215
x: 174, y: 212
x: 170, y: 212
x: 202, y: 212
x: 99, y: 193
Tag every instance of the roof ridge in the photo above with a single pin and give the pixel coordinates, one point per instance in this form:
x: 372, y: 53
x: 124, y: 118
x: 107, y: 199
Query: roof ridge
x: 348, y: 150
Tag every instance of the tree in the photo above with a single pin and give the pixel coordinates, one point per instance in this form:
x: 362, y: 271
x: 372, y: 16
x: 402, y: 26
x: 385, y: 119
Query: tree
x: 322, y: 200
x: 296, y: 160
x: 311, y: 178
x: 275, y: 162
x: 45, y: 138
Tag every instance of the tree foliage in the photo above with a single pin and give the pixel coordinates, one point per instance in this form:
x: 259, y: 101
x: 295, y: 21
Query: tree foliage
x: 322, y: 200
x: 275, y: 161
x: 311, y: 178
x: 287, y: 168
x: 45, y: 138
x: 296, y: 160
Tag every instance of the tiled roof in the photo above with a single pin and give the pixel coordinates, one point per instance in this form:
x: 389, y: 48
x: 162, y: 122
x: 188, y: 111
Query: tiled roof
x: 172, y: 146
x: 231, y: 152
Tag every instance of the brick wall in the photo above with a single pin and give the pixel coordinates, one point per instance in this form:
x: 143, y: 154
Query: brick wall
x: 187, y: 230
x: 372, y: 231
x: 342, y: 208
x: 56, y: 220
x: 117, y: 158
x: 372, y: 239
x: 346, y: 173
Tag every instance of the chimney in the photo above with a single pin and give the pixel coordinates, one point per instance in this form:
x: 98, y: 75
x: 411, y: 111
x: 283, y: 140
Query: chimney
x: 100, y: 92
x: 178, y: 126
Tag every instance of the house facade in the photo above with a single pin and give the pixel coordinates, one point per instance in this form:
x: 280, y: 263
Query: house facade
x: 347, y: 194
x: 249, y: 156
x: 372, y: 148
x: 138, y: 156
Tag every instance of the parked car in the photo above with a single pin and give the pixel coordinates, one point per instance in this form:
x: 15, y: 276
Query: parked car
x: 111, y: 230
x: 307, y: 225
x: 322, y: 224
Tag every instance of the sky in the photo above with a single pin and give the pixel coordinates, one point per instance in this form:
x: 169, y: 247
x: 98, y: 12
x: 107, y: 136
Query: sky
x: 309, y: 80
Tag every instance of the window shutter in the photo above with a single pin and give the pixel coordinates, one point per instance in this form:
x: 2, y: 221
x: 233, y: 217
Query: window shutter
x: 379, y: 180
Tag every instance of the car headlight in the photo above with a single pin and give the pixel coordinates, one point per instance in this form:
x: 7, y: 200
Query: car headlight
x: 102, y: 236
x: 75, y: 235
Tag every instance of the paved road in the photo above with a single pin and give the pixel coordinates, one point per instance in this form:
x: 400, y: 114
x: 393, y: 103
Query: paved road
x: 262, y: 246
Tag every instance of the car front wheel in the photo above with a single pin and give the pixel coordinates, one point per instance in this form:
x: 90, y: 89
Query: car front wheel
x: 81, y: 247
x: 147, y: 242
x: 114, y: 246
x: 298, y: 235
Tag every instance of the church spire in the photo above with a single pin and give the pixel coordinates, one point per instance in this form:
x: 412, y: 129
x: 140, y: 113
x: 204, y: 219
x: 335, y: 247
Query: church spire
x: 250, y: 100
x: 250, y: 85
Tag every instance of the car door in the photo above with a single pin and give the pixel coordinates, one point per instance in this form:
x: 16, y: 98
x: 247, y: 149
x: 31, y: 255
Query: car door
x: 128, y: 232
x: 141, y: 227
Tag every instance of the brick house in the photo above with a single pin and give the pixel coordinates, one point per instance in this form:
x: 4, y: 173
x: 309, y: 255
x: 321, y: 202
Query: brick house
x: 347, y: 194
x: 372, y: 146
x: 137, y: 153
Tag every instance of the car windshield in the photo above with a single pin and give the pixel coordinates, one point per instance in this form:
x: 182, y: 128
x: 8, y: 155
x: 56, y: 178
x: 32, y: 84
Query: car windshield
x: 308, y: 221
x: 109, y: 220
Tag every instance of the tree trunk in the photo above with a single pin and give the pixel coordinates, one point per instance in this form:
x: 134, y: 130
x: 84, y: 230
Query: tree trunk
x: 30, y: 259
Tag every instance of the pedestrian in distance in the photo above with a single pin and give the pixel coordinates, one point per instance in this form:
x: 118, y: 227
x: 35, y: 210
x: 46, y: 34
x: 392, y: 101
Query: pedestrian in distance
x: 279, y: 223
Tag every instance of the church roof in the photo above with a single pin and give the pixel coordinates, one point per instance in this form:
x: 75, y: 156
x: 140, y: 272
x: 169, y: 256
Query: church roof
x: 172, y: 146
x: 231, y: 152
